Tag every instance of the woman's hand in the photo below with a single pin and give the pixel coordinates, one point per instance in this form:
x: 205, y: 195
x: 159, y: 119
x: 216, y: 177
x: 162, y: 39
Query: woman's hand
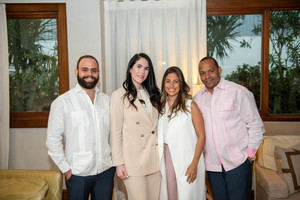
x: 121, y: 172
x: 191, y: 172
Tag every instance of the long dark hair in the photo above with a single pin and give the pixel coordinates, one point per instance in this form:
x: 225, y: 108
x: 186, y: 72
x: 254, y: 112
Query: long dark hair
x: 179, y: 103
x: 149, y: 84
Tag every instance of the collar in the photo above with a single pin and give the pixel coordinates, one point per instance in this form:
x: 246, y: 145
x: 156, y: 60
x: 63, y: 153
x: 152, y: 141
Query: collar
x: 221, y: 86
x: 79, y: 89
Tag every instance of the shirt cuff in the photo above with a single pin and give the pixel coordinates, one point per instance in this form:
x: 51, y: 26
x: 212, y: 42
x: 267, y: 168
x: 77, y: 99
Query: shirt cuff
x: 251, y: 152
x: 64, y: 167
x: 119, y: 163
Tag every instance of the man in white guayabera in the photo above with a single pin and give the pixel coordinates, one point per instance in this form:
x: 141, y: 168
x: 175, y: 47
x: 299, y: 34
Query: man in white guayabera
x: 80, y: 117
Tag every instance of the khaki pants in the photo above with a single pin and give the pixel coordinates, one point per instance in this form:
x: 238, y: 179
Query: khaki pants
x: 143, y: 187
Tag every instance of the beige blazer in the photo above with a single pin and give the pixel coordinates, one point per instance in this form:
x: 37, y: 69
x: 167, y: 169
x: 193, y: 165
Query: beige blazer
x: 133, y: 136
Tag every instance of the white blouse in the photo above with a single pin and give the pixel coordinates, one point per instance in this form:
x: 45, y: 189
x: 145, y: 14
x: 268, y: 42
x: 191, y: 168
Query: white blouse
x: 143, y: 95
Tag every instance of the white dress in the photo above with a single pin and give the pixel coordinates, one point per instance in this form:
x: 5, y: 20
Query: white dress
x: 181, y: 139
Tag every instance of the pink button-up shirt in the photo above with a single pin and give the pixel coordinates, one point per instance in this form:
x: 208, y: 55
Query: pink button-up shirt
x: 233, y: 127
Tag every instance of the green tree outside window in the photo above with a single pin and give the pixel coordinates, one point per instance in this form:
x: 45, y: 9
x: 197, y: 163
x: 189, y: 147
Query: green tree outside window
x: 284, y: 57
x: 33, y: 65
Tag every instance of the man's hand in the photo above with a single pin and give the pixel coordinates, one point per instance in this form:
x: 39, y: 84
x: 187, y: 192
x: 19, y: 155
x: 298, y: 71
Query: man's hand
x: 68, y: 174
x: 121, y: 172
x: 251, y: 160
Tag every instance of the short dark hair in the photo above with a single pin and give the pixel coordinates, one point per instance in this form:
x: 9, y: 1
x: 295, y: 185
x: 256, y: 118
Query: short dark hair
x: 209, y: 58
x: 87, y: 56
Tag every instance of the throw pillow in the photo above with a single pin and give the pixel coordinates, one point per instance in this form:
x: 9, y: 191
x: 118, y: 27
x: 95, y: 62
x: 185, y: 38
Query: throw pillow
x: 266, y: 151
x: 288, y: 165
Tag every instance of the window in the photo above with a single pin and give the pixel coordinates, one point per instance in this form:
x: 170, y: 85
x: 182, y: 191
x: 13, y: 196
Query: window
x: 284, y: 62
x: 38, y: 68
x: 257, y: 45
x: 232, y: 41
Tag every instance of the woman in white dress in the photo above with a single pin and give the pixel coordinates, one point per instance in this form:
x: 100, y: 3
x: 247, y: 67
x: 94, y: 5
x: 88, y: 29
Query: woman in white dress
x: 181, y: 137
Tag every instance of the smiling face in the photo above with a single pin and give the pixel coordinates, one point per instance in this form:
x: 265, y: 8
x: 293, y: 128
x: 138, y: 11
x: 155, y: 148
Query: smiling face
x: 172, y: 85
x: 139, y: 72
x: 87, y: 73
x: 210, y: 74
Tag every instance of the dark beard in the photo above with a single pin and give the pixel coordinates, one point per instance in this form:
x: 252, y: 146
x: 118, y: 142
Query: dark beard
x: 87, y: 85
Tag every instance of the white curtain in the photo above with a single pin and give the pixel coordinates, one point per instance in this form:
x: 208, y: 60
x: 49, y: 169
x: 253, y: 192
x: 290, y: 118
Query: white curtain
x: 171, y: 32
x: 4, y: 91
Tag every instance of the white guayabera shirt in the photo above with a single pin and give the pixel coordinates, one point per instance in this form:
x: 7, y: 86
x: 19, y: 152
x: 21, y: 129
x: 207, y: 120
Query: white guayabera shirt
x: 85, y: 128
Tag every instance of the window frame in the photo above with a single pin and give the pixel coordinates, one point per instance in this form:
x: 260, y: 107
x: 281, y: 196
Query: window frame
x: 263, y: 8
x: 42, y: 11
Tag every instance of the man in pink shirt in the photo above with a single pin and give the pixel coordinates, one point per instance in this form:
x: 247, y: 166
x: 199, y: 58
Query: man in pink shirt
x: 234, y: 131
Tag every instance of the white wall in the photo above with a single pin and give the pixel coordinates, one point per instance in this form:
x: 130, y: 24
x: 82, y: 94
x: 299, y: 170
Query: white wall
x: 28, y: 150
x: 84, y: 33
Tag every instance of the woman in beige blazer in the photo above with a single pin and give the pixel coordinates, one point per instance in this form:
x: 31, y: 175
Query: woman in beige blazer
x: 134, y: 112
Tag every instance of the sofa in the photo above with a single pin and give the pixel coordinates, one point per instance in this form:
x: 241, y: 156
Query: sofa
x: 30, y: 184
x: 277, y: 168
